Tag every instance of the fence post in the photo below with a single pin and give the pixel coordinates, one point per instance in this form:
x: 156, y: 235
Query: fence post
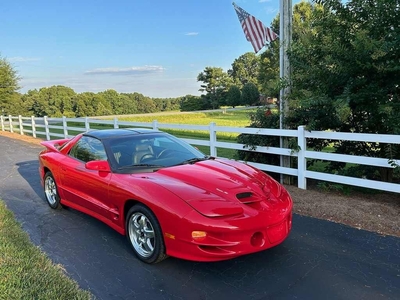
x: 87, y: 124
x: 21, y: 125
x: 116, y: 122
x: 2, y: 122
x: 155, y: 125
x: 46, y: 128
x: 301, y: 158
x: 33, y: 126
x: 10, y: 121
x: 213, y: 140
x: 65, y: 127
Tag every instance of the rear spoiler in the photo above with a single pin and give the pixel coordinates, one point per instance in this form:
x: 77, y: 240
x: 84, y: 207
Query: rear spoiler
x: 54, y: 145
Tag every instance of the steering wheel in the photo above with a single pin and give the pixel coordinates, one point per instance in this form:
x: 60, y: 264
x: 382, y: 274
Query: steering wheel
x: 165, y: 153
x: 146, y: 156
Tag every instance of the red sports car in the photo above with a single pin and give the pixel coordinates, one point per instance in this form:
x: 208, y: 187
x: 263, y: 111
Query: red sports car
x: 166, y: 196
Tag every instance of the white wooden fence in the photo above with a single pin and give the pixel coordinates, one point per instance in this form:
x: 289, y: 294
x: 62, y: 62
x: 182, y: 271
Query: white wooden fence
x: 45, y: 127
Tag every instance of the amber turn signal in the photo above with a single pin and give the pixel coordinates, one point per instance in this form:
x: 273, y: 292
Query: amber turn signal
x: 199, y: 234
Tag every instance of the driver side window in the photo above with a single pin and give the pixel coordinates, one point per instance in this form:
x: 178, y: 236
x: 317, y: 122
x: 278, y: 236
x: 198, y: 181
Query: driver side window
x: 88, y: 149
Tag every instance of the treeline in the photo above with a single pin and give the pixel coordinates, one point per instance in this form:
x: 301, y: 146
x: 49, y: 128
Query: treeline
x: 57, y: 101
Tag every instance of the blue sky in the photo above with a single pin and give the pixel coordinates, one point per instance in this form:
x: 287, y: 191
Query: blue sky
x: 153, y: 47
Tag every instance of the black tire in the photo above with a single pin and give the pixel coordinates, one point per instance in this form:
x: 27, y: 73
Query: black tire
x: 51, y: 191
x: 144, y: 234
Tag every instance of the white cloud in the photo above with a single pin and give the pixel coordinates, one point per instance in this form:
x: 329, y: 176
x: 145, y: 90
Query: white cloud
x: 262, y: 1
x: 126, y: 71
x: 191, y: 33
x: 23, y: 59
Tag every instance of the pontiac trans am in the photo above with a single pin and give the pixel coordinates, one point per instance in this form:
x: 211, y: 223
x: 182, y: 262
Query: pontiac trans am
x: 166, y: 196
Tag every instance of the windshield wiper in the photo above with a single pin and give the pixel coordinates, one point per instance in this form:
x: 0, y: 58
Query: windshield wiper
x: 195, y: 160
x: 140, y: 165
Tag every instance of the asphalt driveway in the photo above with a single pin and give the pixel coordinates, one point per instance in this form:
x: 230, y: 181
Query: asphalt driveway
x: 320, y: 259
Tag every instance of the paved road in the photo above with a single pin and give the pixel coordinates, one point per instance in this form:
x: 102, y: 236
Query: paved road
x: 320, y: 260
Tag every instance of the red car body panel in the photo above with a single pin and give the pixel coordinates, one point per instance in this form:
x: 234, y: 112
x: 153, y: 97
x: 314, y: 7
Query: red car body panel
x: 241, y: 209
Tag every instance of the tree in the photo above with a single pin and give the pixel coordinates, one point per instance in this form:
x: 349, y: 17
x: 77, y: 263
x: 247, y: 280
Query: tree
x: 167, y: 104
x: 346, y: 70
x: 233, y: 97
x: 216, y: 83
x: 261, y: 118
x: 100, y: 105
x: 83, y: 104
x: 115, y: 101
x: 245, y: 69
x: 8, y: 87
x: 268, y: 78
x: 144, y: 104
x: 54, y: 101
x: 191, y: 103
x: 250, y: 94
x: 129, y: 106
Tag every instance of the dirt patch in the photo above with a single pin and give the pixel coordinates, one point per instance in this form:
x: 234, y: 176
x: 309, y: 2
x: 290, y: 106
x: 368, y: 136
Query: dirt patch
x: 378, y: 212
x: 25, y: 138
x: 374, y: 212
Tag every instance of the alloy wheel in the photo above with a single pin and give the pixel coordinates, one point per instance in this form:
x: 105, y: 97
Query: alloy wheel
x: 141, y: 234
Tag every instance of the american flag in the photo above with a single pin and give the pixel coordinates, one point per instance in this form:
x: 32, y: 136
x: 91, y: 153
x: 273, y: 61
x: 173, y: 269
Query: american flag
x: 254, y: 30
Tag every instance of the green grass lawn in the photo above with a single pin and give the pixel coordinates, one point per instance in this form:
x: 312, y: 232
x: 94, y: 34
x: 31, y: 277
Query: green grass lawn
x: 239, y: 118
x: 25, y: 271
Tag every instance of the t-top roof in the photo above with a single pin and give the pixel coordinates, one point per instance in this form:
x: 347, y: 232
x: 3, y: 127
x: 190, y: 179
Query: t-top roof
x: 118, y: 132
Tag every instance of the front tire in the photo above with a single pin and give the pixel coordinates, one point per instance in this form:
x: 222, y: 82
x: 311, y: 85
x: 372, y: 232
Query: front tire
x: 51, y: 192
x: 144, y: 234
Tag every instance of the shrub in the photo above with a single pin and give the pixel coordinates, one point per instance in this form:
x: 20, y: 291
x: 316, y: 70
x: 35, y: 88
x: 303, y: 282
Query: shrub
x: 262, y: 118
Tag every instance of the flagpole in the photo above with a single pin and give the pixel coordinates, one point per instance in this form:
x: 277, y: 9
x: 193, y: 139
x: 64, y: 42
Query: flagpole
x: 258, y: 34
x: 285, y: 37
x: 281, y: 62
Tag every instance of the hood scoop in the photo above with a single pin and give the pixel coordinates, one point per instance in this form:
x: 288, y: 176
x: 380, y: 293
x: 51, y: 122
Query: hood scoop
x: 244, y: 195
x: 247, y: 198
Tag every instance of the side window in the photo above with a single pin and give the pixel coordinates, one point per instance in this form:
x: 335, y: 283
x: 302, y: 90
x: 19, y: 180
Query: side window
x: 87, y: 149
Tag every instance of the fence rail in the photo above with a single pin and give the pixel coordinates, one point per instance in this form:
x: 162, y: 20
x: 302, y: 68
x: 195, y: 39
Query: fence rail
x: 58, y: 128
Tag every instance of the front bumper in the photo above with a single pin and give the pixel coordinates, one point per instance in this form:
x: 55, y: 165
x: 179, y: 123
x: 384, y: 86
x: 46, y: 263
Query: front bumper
x: 228, y: 238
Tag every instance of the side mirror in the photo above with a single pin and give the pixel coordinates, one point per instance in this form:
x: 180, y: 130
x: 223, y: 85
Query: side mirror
x: 98, y: 165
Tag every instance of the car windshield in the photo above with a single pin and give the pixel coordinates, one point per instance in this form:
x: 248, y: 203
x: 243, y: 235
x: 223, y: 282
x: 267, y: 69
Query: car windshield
x: 150, y: 152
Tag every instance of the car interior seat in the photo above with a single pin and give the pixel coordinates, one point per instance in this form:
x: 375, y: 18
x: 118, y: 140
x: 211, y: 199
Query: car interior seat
x: 142, y: 151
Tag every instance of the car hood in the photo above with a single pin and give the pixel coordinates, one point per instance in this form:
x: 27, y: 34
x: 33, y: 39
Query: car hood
x: 220, y: 187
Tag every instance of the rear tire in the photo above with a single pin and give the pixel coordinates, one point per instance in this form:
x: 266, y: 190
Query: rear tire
x: 144, y: 234
x: 51, y: 191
